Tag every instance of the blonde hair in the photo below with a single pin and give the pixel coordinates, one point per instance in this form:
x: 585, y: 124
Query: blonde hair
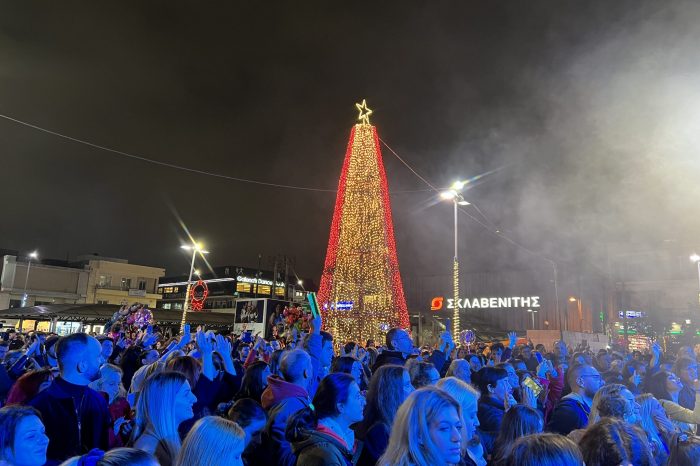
x: 107, y: 369
x: 464, y: 394
x: 410, y: 443
x: 154, y: 410
x: 211, y: 442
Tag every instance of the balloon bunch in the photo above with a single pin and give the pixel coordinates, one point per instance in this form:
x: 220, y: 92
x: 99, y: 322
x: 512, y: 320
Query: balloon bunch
x: 295, y: 317
x: 129, y: 319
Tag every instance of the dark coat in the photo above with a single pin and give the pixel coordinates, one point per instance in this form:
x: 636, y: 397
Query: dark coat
x: 374, y: 442
x: 569, y: 414
x: 73, y: 428
x: 490, y: 413
x: 319, y: 449
x: 209, y: 394
x: 686, y: 397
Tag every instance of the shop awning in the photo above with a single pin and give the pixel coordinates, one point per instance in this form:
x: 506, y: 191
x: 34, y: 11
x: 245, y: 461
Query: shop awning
x: 101, y: 313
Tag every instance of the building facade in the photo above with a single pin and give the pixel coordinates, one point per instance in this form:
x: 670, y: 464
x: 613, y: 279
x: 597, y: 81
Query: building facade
x: 227, y: 284
x: 89, y: 280
x: 116, y: 281
x: 44, y: 284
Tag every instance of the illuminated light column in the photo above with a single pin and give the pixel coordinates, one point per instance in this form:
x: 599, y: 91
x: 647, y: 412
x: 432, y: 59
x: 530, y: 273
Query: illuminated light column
x: 455, y: 283
x: 25, y: 296
x: 361, y: 290
x: 453, y: 194
x: 195, y: 248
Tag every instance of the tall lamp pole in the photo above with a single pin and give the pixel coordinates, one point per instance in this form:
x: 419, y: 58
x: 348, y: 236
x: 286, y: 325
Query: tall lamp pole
x: 195, y: 248
x: 32, y: 255
x: 454, y: 195
x: 532, y: 314
x: 696, y: 258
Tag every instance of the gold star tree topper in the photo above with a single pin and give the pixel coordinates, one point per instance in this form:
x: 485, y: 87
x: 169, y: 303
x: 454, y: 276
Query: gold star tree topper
x: 365, y: 112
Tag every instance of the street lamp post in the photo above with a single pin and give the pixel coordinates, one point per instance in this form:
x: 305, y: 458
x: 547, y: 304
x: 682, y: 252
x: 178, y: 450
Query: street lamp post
x: 195, y: 248
x: 696, y: 258
x: 453, y: 194
x: 532, y: 314
x: 32, y: 255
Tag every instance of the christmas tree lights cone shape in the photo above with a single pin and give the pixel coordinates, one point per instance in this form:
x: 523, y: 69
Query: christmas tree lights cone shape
x: 361, y: 293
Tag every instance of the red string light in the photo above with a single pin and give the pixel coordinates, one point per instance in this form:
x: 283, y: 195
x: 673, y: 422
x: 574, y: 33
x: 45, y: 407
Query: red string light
x: 361, y: 292
x: 197, y: 302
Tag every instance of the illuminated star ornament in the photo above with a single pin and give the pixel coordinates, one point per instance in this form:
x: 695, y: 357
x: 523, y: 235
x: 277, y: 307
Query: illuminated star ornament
x: 365, y: 112
x: 361, y: 293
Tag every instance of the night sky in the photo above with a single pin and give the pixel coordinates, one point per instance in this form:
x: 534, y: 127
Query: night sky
x: 586, y: 113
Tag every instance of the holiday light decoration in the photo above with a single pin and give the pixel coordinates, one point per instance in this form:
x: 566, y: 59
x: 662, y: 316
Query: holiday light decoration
x: 199, y: 294
x: 361, y: 290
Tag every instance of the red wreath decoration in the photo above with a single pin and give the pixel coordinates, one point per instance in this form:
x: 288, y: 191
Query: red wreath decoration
x: 197, y: 303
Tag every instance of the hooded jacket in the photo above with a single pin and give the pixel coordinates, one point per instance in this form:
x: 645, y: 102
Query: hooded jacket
x: 316, y: 448
x: 280, y: 399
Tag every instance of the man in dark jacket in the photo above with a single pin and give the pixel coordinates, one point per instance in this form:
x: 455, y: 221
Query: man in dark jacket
x: 400, y: 347
x: 572, y: 411
x: 76, y: 417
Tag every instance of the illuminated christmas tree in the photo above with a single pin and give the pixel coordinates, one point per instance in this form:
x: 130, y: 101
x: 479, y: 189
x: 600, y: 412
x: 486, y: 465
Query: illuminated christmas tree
x: 361, y: 293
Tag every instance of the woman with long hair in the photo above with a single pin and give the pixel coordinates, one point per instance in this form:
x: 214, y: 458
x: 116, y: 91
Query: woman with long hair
x: 389, y: 387
x: 426, y: 431
x: 658, y: 427
x: 165, y: 401
x: 110, y: 383
x: 28, y: 386
x: 519, y: 421
x: 666, y: 386
x: 254, y: 381
x: 468, y: 398
x: 544, y: 450
x: 213, y: 441
x: 320, y: 434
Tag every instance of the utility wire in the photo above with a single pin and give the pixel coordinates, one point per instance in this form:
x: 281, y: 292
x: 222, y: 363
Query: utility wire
x: 179, y: 167
x: 491, y: 229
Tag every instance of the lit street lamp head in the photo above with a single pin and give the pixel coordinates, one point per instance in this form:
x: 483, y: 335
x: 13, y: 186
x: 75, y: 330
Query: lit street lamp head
x: 33, y: 255
x: 572, y: 299
x: 458, y: 185
x: 695, y: 257
x: 448, y: 195
x: 199, y: 247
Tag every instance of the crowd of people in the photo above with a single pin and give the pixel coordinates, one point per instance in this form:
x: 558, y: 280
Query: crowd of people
x: 209, y: 399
